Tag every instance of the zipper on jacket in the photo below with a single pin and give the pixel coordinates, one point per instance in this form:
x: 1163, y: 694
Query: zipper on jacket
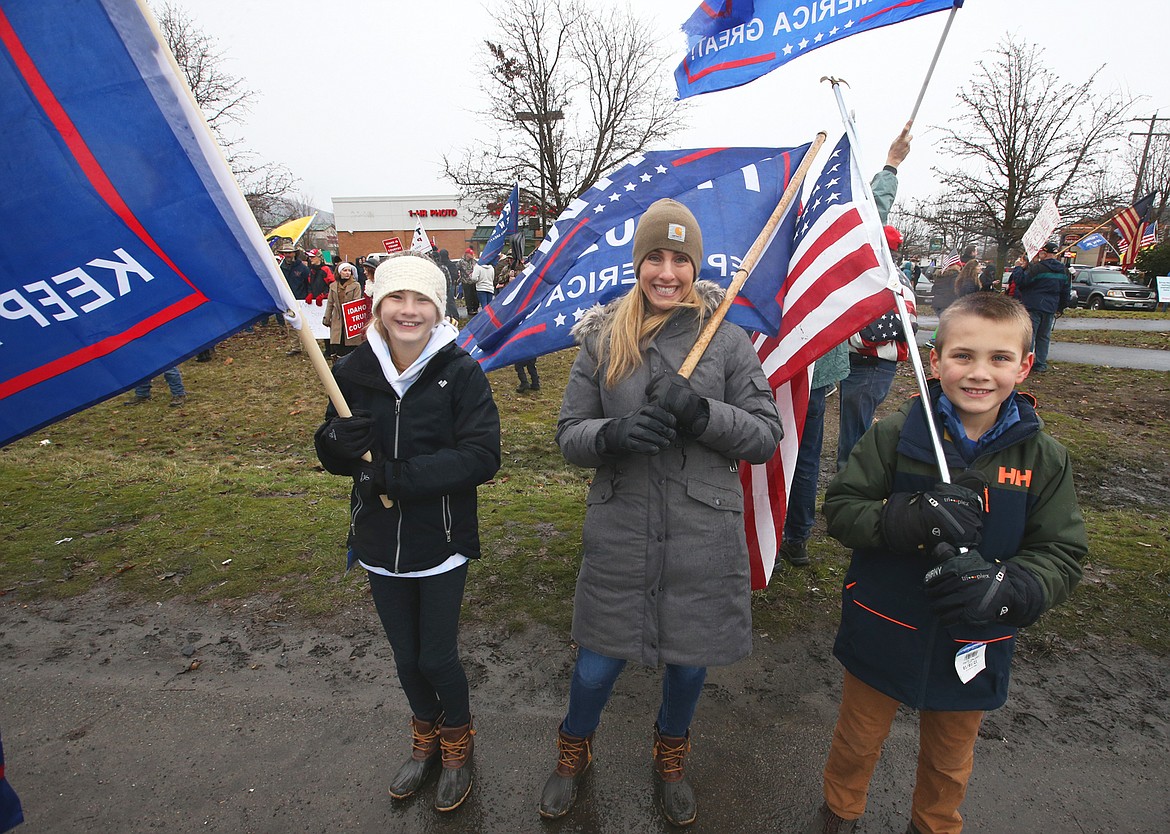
x: 447, y: 517
x: 398, y: 536
x: 357, y: 508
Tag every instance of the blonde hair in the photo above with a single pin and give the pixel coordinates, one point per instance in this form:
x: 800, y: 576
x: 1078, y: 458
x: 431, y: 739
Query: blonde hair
x: 632, y: 327
x: 991, y: 306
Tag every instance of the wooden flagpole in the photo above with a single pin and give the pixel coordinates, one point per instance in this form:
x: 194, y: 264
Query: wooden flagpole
x: 750, y: 259
x: 325, y: 374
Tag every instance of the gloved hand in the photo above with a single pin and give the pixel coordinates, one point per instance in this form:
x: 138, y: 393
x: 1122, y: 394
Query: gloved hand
x: 914, y: 522
x: 348, y: 438
x: 321, y: 299
x: 646, y: 431
x: 968, y: 589
x: 674, y: 394
x: 370, y: 478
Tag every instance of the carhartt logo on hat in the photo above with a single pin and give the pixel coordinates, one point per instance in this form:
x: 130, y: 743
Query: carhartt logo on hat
x: 676, y: 231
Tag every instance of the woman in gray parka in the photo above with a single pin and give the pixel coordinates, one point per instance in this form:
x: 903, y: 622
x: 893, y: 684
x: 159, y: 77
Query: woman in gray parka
x: 664, y: 575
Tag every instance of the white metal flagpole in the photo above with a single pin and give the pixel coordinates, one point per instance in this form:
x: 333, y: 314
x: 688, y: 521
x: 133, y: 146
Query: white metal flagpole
x: 895, y: 287
x: 934, y: 61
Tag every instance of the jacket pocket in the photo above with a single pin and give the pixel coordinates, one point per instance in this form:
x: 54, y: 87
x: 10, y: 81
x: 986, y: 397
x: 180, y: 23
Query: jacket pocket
x: 601, y: 490
x: 714, y: 496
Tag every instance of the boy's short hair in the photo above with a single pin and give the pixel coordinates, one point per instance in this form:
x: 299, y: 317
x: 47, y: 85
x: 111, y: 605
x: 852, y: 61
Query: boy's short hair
x: 992, y: 306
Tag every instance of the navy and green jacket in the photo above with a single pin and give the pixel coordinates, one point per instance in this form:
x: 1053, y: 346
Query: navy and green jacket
x: 888, y: 637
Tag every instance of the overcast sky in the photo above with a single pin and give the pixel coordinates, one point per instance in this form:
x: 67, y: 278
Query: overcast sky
x: 363, y: 97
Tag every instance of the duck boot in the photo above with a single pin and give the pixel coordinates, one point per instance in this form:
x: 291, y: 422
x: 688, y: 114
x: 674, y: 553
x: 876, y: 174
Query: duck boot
x: 673, y: 792
x: 424, y: 755
x: 574, y: 756
x: 826, y: 822
x: 456, y: 745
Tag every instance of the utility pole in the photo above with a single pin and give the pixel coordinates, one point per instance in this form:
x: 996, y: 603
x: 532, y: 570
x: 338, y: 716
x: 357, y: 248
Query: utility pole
x: 1149, y: 134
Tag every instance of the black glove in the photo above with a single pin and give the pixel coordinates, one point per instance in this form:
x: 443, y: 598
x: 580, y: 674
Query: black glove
x: 968, y: 589
x: 674, y: 393
x: 646, y: 431
x: 914, y: 522
x: 370, y: 478
x: 347, y: 438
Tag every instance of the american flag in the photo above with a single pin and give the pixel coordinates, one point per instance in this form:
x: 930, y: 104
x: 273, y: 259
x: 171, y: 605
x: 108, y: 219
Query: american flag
x: 952, y: 259
x: 1129, y: 225
x: 838, y: 282
x: 1149, y: 238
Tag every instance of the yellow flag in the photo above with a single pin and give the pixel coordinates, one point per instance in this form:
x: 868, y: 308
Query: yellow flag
x: 292, y: 229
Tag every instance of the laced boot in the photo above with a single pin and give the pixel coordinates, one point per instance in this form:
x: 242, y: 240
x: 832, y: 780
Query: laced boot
x: 560, y: 791
x: 424, y: 755
x: 826, y: 822
x: 671, y: 788
x: 456, y: 745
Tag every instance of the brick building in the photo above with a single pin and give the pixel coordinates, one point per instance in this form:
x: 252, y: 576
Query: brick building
x: 363, y: 223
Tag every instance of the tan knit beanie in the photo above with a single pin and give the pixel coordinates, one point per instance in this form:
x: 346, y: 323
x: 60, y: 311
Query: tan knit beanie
x: 407, y: 271
x: 668, y: 224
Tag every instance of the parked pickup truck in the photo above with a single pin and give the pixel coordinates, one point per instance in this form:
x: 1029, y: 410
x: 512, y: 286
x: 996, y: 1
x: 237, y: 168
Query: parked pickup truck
x: 1108, y: 288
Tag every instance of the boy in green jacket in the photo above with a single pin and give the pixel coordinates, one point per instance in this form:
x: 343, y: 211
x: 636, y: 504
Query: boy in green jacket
x: 943, y: 574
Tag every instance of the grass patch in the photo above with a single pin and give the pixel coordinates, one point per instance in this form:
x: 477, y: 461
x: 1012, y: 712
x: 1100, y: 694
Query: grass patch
x: 1147, y: 340
x: 224, y: 500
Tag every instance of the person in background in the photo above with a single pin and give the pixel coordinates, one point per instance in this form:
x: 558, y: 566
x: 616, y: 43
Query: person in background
x: 1044, y: 287
x: 423, y: 410
x: 297, y: 276
x: 320, y: 277
x: 342, y: 291
x: 485, y: 284
x: 466, y: 290
x: 452, y: 274
x: 875, y: 351
x: 174, y: 381
x: 665, y: 578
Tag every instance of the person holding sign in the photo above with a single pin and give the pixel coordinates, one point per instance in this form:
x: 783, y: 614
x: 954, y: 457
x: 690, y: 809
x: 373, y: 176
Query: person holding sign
x: 942, y: 574
x: 423, y: 411
x: 343, y: 292
x: 665, y: 578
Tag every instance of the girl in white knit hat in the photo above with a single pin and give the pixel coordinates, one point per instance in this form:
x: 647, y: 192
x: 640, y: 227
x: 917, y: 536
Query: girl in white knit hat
x: 424, y: 411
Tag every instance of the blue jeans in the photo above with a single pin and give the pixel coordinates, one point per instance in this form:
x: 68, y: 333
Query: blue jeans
x: 802, y: 497
x: 1041, y: 337
x: 593, y: 680
x: 485, y: 298
x: 174, y: 380
x: 861, y: 393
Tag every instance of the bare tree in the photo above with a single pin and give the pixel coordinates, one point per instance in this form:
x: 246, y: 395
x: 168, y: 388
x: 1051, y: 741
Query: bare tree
x: 573, y: 91
x: 224, y: 99
x: 1022, y: 135
x: 1156, y: 174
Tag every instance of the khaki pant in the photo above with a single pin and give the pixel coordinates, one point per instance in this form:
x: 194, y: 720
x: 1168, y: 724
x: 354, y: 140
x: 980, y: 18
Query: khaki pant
x: 946, y: 753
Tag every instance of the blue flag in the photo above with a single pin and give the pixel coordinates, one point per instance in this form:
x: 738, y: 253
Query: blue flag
x: 588, y: 257
x: 1093, y: 241
x: 730, y: 42
x: 138, y: 248
x: 505, y: 226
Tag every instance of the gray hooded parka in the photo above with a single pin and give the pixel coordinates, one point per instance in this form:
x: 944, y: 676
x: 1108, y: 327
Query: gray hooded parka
x: 664, y: 575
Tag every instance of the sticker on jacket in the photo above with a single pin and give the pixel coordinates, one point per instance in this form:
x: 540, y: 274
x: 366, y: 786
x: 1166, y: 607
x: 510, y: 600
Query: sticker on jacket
x: 970, y: 661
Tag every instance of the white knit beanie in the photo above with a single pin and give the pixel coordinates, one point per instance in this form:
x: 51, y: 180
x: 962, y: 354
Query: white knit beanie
x: 407, y: 271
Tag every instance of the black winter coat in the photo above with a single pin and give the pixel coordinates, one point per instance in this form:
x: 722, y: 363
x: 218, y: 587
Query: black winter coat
x: 440, y: 441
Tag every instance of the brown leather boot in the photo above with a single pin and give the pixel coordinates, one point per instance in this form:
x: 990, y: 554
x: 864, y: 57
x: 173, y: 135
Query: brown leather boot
x: 826, y: 822
x: 675, y: 798
x: 456, y: 745
x: 560, y: 791
x: 424, y: 755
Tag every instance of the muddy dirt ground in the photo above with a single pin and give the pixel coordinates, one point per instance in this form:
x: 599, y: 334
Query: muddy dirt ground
x: 182, y: 718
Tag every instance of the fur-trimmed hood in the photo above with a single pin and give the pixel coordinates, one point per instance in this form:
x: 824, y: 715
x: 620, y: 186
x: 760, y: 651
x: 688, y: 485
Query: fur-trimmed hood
x: 593, y: 322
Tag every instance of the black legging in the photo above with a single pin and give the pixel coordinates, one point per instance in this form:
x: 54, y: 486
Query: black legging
x: 421, y: 618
